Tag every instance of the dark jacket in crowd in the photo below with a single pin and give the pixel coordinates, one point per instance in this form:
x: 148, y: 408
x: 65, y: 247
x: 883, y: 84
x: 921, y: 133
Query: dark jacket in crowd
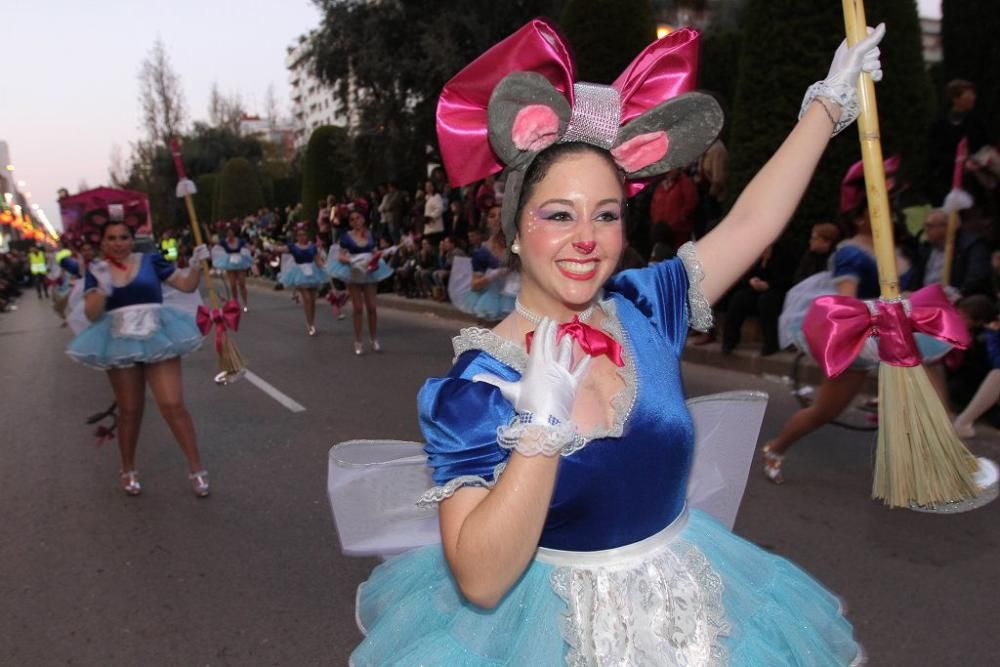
x: 971, y: 272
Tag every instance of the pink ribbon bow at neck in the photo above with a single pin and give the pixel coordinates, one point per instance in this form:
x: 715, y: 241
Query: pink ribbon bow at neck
x: 836, y: 328
x: 228, y: 317
x: 593, y: 342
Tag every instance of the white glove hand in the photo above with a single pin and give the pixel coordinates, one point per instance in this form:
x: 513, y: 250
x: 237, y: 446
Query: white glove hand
x: 547, y: 388
x: 957, y: 200
x: 494, y: 274
x: 102, y: 274
x: 840, y: 85
x: 199, y: 255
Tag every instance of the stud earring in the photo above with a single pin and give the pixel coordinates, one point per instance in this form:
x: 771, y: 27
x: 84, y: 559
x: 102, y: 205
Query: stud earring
x: 515, y: 247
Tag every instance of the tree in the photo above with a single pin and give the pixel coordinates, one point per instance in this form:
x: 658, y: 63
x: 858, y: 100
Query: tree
x: 971, y: 51
x: 239, y: 190
x: 225, y: 111
x: 792, y: 45
x: 160, y: 96
x: 325, y: 166
x: 205, y: 197
x: 606, y: 35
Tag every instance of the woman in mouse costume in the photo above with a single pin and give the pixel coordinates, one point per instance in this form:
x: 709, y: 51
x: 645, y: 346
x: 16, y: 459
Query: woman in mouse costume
x: 559, y: 440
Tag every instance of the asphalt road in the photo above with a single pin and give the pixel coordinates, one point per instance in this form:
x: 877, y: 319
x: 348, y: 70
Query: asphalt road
x: 253, y: 575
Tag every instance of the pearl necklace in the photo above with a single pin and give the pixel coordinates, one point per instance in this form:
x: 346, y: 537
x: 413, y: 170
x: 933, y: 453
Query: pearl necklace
x: 535, y: 318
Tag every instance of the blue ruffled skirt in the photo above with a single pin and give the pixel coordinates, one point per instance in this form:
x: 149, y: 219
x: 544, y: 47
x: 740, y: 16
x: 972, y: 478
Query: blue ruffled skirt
x: 235, y: 262
x: 98, y: 347
x: 489, y: 304
x: 774, y: 614
x: 342, y: 271
x: 294, y: 276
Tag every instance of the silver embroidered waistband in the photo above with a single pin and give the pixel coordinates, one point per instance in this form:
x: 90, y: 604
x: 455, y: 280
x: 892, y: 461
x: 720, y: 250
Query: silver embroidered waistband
x: 139, y: 321
x: 653, y: 603
x: 597, y: 113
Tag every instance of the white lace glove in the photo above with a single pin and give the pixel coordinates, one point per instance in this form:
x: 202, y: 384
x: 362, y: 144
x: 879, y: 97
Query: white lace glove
x: 102, y: 274
x: 543, y: 397
x: 841, y: 82
x: 199, y: 255
x: 957, y: 200
x: 495, y: 274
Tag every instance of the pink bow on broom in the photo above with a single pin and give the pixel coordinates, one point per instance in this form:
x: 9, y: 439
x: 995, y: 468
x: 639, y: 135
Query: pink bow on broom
x: 593, y: 342
x: 337, y: 300
x: 227, y: 317
x: 836, y: 327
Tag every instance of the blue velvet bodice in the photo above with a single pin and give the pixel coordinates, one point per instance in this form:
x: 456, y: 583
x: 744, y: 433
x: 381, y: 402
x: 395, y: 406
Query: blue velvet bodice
x: 302, y: 255
x: 483, y: 260
x: 348, y: 243
x: 620, y: 487
x: 240, y: 243
x: 849, y: 260
x: 145, y: 287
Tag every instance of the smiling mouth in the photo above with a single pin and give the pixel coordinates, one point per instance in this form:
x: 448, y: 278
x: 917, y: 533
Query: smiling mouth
x: 578, y: 269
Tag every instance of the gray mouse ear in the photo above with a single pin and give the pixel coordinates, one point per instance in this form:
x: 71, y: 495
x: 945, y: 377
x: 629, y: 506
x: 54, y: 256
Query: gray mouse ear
x: 526, y: 115
x: 672, y: 134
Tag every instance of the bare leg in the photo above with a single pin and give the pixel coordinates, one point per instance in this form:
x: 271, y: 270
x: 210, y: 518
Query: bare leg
x: 130, y: 393
x: 231, y: 283
x: 357, y: 308
x: 164, y: 380
x: 241, y: 281
x: 309, y: 305
x: 371, y: 307
x: 832, y: 397
x: 986, y: 397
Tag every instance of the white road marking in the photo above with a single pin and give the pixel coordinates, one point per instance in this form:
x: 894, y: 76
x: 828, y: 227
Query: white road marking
x: 274, y: 392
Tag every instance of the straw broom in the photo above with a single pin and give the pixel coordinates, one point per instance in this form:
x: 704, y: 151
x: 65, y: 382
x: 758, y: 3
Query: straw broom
x: 920, y: 461
x: 961, y: 153
x: 232, y: 366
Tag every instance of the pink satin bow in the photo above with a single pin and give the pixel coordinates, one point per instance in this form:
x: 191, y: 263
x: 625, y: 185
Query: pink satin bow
x: 591, y: 341
x: 373, y: 262
x: 228, y: 317
x: 836, y: 328
x: 666, y: 68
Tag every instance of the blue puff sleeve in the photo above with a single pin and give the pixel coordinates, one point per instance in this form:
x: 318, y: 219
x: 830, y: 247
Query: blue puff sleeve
x: 666, y: 296
x: 459, y: 420
x: 993, y: 347
x: 847, y: 263
x: 161, y: 267
x: 70, y: 266
x: 483, y: 260
x: 89, y: 282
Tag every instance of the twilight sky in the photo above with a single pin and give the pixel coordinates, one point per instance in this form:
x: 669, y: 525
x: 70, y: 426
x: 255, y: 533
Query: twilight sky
x: 69, y: 76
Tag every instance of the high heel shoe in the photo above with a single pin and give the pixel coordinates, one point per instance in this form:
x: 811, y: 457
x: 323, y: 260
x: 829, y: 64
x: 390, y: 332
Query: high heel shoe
x: 129, y: 480
x: 312, y: 330
x: 772, y: 465
x: 199, y: 483
x: 358, y: 349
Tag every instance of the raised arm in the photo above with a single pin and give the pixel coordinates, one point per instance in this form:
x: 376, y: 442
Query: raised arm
x: 767, y: 203
x: 188, y: 281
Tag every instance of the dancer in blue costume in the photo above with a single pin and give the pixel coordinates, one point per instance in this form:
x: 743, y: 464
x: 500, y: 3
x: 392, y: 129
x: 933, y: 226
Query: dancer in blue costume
x: 305, y: 273
x: 561, y: 452
x: 488, y: 299
x: 853, y: 272
x: 138, y: 341
x: 359, y: 266
x: 235, y: 259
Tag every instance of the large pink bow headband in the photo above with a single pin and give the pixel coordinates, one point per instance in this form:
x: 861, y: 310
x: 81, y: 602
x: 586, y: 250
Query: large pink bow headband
x: 520, y: 97
x: 836, y: 327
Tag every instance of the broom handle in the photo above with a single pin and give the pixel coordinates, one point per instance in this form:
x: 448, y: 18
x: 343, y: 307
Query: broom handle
x: 871, y: 155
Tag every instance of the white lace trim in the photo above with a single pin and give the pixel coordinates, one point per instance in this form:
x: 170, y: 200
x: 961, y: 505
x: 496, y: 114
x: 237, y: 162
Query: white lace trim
x: 509, y: 354
x: 530, y: 438
x: 843, y: 95
x: 699, y: 310
x: 435, y: 495
x: 658, y: 611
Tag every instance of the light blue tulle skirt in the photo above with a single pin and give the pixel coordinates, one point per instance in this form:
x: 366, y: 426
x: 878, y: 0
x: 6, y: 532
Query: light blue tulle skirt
x: 776, y: 615
x: 97, y: 347
x: 294, y: 276
x: 235, y: 262
x: 489, y: 304
x: 931, y: 349
x: 342, y: 271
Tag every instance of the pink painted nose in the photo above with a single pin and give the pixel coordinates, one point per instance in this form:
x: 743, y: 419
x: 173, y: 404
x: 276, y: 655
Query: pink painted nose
x: 585, y: 247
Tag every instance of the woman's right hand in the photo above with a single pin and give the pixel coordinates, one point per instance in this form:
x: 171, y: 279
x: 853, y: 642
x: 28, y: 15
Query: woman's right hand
x: 548, y: 386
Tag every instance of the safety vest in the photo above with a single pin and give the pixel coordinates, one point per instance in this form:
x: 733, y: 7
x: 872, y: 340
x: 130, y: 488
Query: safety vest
x: 63, y: 254
x: 38, y: 265
x: 169, y: 248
